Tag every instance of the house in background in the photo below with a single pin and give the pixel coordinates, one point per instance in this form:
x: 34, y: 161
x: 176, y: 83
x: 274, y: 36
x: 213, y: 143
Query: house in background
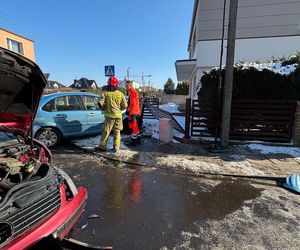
x: 84, y: 84
x: 17, y: 43
x: 265, y: 28
x: 54, y: 86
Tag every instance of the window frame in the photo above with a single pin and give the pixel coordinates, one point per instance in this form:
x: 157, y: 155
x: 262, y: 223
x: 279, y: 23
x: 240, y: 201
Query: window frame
x: 95, y: 102
x: 9, y: 42
x: 78, y: 98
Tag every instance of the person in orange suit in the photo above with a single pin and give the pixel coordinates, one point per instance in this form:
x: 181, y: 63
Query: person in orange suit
x: 133, y: 111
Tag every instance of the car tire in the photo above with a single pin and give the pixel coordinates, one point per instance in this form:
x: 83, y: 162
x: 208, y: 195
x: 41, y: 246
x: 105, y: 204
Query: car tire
x: 51, y: 137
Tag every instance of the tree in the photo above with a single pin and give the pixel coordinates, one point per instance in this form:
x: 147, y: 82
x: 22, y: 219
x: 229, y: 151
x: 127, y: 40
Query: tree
x: 169, y: 87
x: 182, y: 88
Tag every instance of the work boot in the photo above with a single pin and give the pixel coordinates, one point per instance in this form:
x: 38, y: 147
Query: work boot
x: 133, y: 142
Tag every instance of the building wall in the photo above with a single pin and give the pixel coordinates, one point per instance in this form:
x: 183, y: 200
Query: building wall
x: 28, y: 45
x: 256, y: 18
x: 251, y: 50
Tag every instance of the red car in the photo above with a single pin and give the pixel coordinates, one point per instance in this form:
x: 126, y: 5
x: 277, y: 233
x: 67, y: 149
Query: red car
x: 37, y: 199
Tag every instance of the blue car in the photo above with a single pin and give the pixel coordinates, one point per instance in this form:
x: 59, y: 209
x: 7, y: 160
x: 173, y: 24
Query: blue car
x: 65, y: 115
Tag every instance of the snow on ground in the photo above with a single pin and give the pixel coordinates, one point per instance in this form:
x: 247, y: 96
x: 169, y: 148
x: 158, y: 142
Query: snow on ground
x: 271, y: 221
x: 170, y: 107
x: 180, y: 120
x: 197, y: 165
x: 264, y: 149
x: 151, y: 126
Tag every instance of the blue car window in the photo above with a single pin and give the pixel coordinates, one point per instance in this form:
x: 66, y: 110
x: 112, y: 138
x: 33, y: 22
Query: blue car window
x: 90, y: 102
x: 67, y: 103
x: 49, y: 106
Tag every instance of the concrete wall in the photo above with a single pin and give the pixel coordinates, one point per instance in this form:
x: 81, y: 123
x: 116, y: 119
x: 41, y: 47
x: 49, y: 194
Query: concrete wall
x: 177, y: 99
x: 296, y: 132
x: 28, y: 45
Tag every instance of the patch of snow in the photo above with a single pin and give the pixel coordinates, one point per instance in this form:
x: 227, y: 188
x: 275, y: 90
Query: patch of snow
x: 180, y: 120
x: 93, y: 141
x: 199, y: 166
x: 270, y: 221
x: 264, y: 149
x: 272, y: 66
x: 151, y: 126
x: 170, y: 107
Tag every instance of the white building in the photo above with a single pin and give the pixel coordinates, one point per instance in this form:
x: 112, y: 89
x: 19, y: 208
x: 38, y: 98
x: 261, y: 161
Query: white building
x: 122, y: 84
x: 265, y: 28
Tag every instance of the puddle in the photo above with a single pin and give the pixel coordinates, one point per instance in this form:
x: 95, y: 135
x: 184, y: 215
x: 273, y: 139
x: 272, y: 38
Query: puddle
x: 138, y: 208
x: 221, y: 200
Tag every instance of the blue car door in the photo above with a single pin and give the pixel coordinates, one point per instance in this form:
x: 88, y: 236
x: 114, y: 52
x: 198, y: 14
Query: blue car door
x: 70, y: 114
x: 94, y: 115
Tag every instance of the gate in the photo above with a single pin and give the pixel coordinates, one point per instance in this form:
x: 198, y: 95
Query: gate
x: 266, y: 120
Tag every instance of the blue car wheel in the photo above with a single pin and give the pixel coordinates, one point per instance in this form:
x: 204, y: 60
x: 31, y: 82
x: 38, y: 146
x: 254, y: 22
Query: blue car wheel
x: 51, y: 137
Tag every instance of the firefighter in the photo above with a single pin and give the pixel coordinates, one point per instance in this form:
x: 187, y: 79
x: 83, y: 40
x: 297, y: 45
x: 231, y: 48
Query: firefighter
x: 133, y: 112
x: 112, y: 102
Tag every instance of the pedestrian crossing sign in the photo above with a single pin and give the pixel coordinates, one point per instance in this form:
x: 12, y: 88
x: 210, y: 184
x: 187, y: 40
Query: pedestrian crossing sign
x: 109, y: 70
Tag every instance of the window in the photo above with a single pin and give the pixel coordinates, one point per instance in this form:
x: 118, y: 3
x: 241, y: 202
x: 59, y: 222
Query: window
x: 49, y: 106
x: 15, y: 46
x: 91, y: 102
x: 62, y: 103
x: 67, y: 103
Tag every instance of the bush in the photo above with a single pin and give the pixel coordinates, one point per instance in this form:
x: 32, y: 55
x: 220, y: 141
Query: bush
x: 254, y: 84
x: 182, y: 89
x: 169, y: 87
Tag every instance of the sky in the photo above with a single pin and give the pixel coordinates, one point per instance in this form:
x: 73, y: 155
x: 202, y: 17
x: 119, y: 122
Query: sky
x: 76, y: 38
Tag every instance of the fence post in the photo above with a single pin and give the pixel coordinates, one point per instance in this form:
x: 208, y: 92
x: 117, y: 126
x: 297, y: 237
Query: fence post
x: 187, y: 117
x: 296, y: 129
x: 142, y: 100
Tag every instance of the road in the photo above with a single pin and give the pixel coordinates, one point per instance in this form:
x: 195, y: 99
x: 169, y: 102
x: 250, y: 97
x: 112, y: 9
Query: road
x: 133, y: 208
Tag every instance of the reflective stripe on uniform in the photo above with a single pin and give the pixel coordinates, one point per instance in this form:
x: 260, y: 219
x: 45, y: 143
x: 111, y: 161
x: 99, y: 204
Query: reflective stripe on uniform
x: 118, y: 115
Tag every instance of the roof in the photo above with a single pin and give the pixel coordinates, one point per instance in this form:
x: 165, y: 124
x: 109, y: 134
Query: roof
x: 184, y: 69
x: 52, y: 83
x: 17, y: 34
x: 84, y: 83
x: 193, y: 21
x: 46, y: 98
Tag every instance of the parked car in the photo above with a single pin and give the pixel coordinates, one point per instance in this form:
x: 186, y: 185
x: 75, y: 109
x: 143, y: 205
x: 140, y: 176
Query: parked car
x: 65, y: 115
x: 37, y: 199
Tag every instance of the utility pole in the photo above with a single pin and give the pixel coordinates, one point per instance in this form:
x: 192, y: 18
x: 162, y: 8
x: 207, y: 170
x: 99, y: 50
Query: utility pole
x: 143, y: 82
x: 128, y: 73
x: 227, y: 97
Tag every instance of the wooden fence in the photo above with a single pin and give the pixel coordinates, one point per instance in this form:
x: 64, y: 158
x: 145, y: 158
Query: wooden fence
x: 265, y: 120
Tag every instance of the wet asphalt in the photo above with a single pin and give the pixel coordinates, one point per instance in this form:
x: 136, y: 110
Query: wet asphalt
x: 130, y: 207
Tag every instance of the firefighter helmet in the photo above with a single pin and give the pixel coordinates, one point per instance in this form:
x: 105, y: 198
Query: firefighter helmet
x: 113, y: 81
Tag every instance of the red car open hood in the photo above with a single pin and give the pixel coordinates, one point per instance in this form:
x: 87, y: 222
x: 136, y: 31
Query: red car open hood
x: 21, y: 87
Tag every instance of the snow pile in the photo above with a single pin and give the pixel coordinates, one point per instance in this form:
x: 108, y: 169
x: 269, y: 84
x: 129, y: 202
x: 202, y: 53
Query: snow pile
x: 264, y: 149
x: 270, y: 221
x: 170, y: 107
x: 151, y: 126
x: 199, y: 166
x: 276, y: 67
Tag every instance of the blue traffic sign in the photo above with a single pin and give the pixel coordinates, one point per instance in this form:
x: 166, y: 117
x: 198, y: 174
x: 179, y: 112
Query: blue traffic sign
x: 109, y: 70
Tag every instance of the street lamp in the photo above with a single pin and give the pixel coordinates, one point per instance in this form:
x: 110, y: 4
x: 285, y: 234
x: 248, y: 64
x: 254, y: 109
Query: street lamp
x: 128, y: 73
